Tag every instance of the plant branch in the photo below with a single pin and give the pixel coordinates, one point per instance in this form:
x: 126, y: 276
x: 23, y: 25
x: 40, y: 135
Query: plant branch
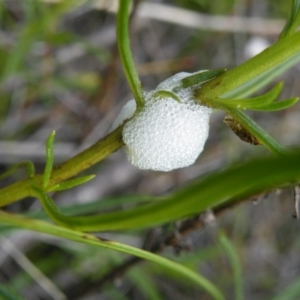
x: 66, y: 170
x: 269, y: 58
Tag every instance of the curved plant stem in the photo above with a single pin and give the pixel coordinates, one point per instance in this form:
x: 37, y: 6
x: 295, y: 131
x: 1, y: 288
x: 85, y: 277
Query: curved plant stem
x: 66, y: 170
x: 274, y: 55
x: 89, y: 239
x: 237, y: 182
x: 125, y: 52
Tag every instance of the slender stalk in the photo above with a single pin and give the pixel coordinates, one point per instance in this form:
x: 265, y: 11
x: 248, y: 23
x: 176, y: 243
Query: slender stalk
x: 125, y: 52
x: 66, y: 170
x: 235, y: 264
x: 89, y: 239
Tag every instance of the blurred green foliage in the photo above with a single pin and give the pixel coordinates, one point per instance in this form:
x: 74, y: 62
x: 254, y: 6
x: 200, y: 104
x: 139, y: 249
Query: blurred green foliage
x: 32, y: 81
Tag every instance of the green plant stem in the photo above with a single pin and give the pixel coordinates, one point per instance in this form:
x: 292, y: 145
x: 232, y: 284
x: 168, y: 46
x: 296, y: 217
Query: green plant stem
x: 49, y: 159
x: 66, y: 170
x: 235, y: 183
x: 272, y: 56
x: 125, y: 52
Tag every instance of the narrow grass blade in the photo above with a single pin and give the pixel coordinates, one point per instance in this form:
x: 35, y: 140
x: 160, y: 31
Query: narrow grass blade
x: 88, y: 239
x: 71, y: 183
x: 125, y: 52
x: 292, y: 292
x: 255, y: 130
x: 28, y: 165
x: 280, y: 105
x: 200, y: 77
x: 49, y: 159
x: 234, y: 183
x: 9, y: 294
x: 166, y: 94
x: 235, y: 264
x: 293, y: 20
x: 258, y: 101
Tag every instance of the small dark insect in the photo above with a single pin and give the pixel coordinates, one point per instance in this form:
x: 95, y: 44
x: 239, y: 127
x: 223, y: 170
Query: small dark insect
x: 240, y: 131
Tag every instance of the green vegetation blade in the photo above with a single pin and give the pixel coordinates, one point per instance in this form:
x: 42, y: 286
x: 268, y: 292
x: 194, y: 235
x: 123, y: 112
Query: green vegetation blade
x: 144, y: 283
x: 49, y: 159
x: 31, y: 31
x: 235, y: 183
x: 71, y: 183
x: 125, y: 52
x: 253, y: 105
x: 280, y: 105
x: 255, y: 130
x: 293, y: 20
x: 28, y: 165
x: 200, y: 77
x: 258, y: 101
x: 235, y: 263
x: 88, y: 239
x: 292, y: 292
x: 7, y: 293
x: 166, y: 94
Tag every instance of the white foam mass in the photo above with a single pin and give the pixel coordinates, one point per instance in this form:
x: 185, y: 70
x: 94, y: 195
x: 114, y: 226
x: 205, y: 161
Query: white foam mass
x: 165, y: 134
x: 126, y: 113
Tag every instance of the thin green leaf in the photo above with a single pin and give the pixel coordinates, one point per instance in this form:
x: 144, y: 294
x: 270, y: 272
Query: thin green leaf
x: 108, y: 204
x: 167, y: 94
x: 31, y: 32
x: 71, y: 183
x: 49, y: 159
x: 104, y: 205
x: 248, y: 104
x: 237, y: 182
x: 254, y: 102
x: 280, y: 105
x: 7, y: 293
x: 50, y: 208
x: 235, y: 264
x: 28, y: 165
x: 200, y: 77
x: 125, y: 52
x: 255, y: 130
x: 292, y: 292
x: 77, y: 236
x: 293, y: 20
x: 144, y: 283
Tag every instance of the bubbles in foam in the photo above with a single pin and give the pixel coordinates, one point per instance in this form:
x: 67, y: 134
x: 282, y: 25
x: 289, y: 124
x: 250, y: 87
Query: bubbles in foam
x: 165, y: 134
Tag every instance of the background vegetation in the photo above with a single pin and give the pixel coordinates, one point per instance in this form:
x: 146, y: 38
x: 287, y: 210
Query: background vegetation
x: 60, y: 70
